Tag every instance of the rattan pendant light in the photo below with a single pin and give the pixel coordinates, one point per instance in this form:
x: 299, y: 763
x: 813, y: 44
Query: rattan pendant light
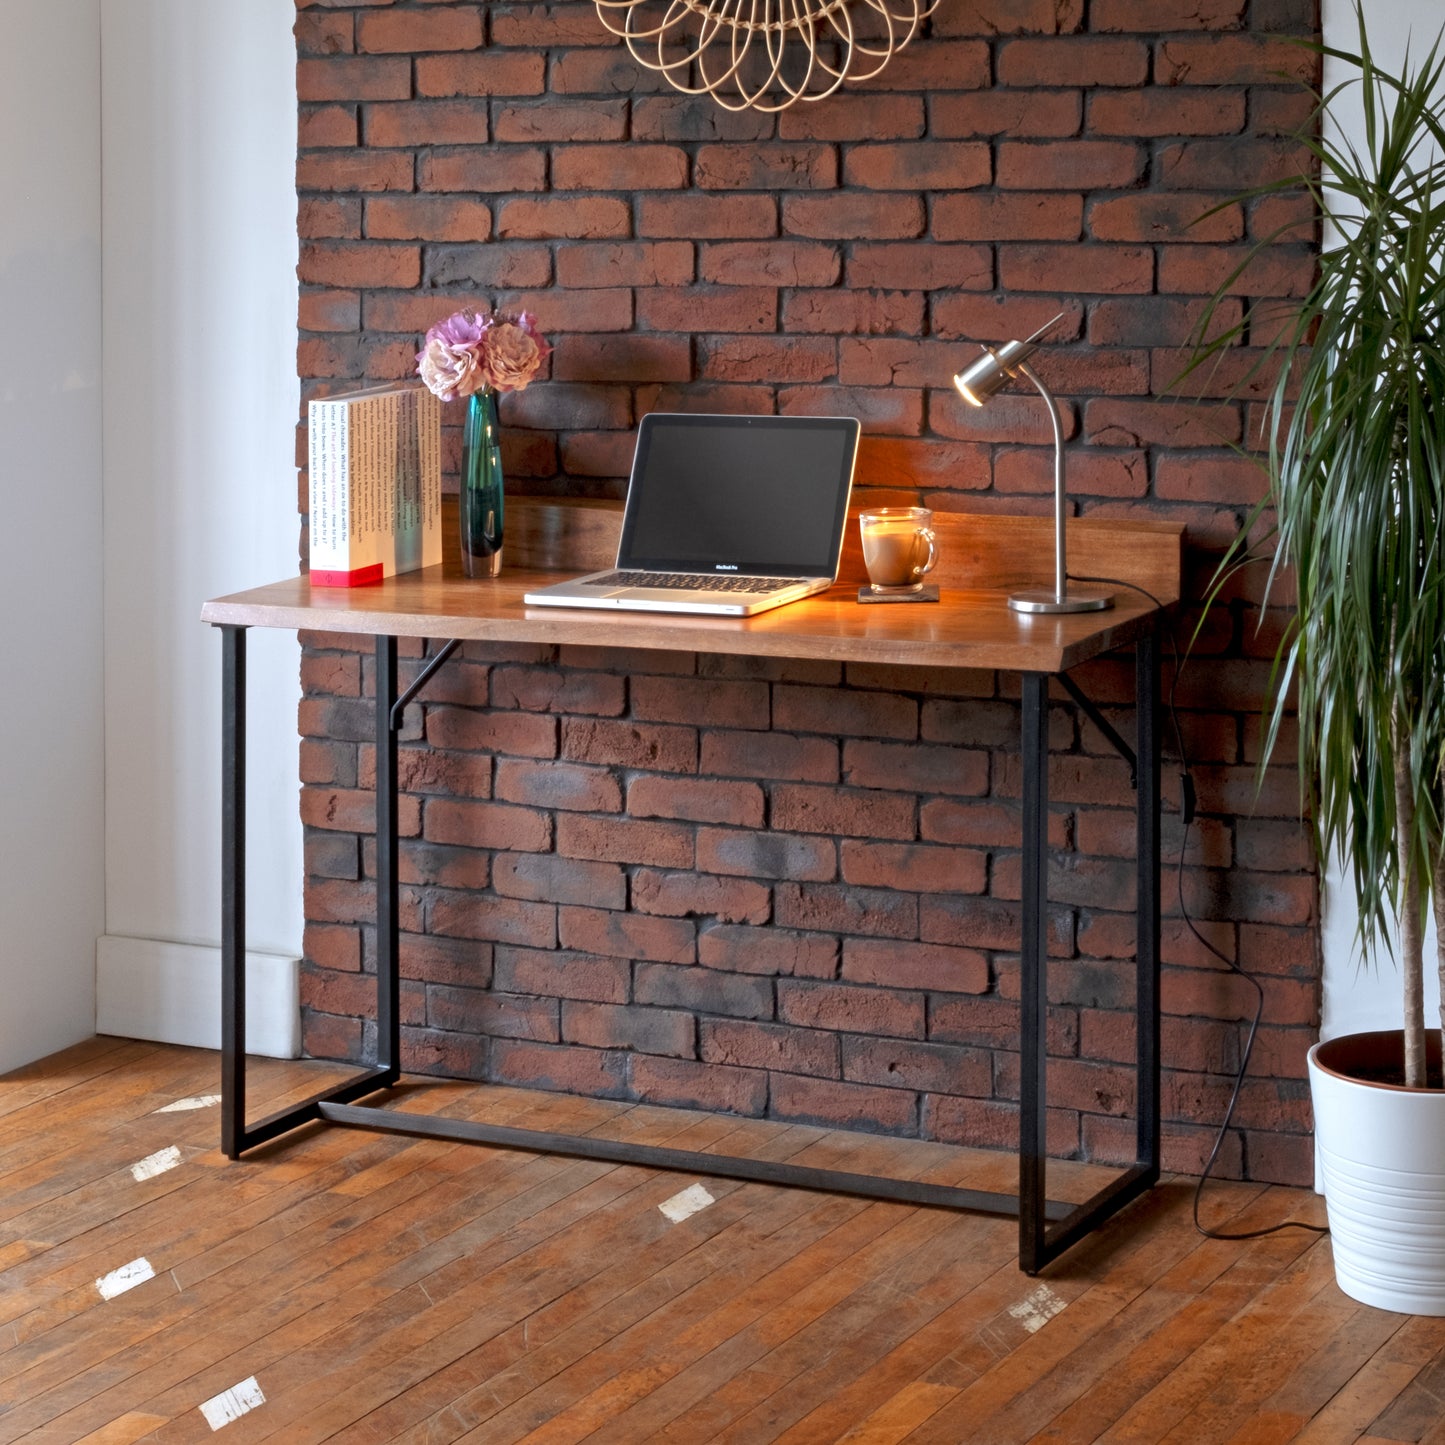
x: 764, y: 54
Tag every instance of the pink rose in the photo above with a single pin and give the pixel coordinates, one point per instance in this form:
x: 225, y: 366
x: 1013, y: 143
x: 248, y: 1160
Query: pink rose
x: 514, y: 353
x: 451, y: 362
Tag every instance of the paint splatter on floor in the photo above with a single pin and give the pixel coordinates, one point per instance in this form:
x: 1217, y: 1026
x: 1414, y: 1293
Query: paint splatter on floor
x: 221, y: 1410
x: 685, y: 1205
x: 1035, y: 1310
x: 138, y: 1271
x: 183, y: 1106
x: 157, y: 1163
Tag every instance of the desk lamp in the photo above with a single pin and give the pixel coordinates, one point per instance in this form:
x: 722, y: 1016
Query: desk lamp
x: 976, y: 385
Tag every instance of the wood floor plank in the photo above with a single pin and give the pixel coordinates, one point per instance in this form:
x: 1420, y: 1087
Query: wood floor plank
x: 386, y: 1290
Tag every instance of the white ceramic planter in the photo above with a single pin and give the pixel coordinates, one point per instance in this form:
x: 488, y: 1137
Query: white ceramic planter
x: 1382, y: 1162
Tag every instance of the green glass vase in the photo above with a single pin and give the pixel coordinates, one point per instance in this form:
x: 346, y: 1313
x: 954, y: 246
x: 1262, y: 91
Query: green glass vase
x: 480, y: 493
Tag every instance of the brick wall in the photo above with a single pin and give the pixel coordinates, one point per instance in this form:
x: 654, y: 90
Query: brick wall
x: 854, y: 962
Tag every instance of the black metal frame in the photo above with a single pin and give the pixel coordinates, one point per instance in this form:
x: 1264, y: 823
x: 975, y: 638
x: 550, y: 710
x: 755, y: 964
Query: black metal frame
x: 1046, y: 1228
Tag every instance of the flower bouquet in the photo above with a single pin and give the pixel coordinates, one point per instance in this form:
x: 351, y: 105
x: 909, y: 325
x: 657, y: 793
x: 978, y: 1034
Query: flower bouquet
x: 476, y: 355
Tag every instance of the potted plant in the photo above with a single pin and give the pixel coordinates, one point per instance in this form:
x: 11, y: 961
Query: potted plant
x: 1355, y: 509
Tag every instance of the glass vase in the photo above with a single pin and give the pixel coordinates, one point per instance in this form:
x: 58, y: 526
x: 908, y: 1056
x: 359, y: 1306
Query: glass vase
x: 480, y: 492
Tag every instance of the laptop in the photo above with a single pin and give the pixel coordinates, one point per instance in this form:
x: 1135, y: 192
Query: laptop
x: 729, y: 515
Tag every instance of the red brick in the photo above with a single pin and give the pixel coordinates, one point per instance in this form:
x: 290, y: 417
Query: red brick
x: 994, y: 1023
x: 970, y: 922
x: 705, y: 217
x: 1073, y: 62
x: 427, y: 218
x: 1007, y: 418
x: 544, y: 878
x: 880, y: 409
x: 562, y: 975
x: 505, y: 1016
x: 898, y: 964
x: 1233, y: 60
x: 912, y: 767
x: 330, y: 311
x: 391, y: 32
x: 857, y: 812
x: 919, y: 166
x: 1161, y: 218
x: 331, y: 125
x: 1231, y: 164
x: 626, y: 167
x: 433, y: 865
x: 1005, y: 112
x: 768, y: 951
x: 503, y: 920
x: 767, y: 358
x: 1011, y: 17
x: 447, y: 1055
x: 770, y: 263
x: 1069, y: 165
x: 487, y: 825
x: 987, y: 1123
x: 556, y: 217
x: 1158, y: 112
x: 658, y: 747
x: 754, y: 853
x: 622, y: 358
x: 1016, y: 216
x: 893, y: 462
x: 1107, y: 269
x: 570, y: 1070
x: 599, y: 72
x: 931, y: 1068
x: 751, y: 1045
x: 673, y: 308
x: 321, y: 33
x: 928, y: 65
x: 566, y: 786
x: 1231, y: 480
x: 765, y: 167
x: 869, y: 313
x: 847, y: 1009
x: 659, y: 263
x: 355, y: 171
x: 848, y: 116
x: 641, y: 1030
x: 371, y: 264
x: 1160, y: 423
x: 853, y: 217
x: 484, y: 72
x: 848, y: 1106
x: 876, y: 912
x: 353, y: 78
x: 627, y: 935
x: 696, y: 799
x: 913, y: 867
x: 704, y: 990
x: 693, y: 895
x: 325, y: 1036
x: 324, y: 218
x: 562, y: 690
x: 333, y: 947
x: 693, y: 118
x: 425, y: 123
x: 1281, y: 271
x: 354, y: 812
x: 499, y: 168
x: 769, y: 755
x: 685, y: 1084
x: 1154, y: 321
x: 517, y: 734
x: 624, y: 840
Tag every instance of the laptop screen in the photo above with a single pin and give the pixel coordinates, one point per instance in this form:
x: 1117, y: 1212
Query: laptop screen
x: 760, y: 494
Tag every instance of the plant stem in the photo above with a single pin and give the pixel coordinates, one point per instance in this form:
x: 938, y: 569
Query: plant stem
x: 1412, y: 937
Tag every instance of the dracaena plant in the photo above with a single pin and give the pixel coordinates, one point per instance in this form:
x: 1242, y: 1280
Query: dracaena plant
x: 1353, y: 515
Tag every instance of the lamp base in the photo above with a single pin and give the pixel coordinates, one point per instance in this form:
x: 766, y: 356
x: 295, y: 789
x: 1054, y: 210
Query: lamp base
x: 1046, y: 601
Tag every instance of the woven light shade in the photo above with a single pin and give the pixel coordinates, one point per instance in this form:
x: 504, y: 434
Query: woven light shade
x: 764, y: 54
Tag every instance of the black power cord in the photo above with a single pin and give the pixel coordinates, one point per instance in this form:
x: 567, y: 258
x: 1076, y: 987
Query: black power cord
x: 1188, y: 803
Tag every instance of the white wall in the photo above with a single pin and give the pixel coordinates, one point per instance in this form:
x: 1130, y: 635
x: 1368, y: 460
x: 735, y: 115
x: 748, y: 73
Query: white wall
x: 51, y: 879
x: 199, y: 114
x: 1357, y: 999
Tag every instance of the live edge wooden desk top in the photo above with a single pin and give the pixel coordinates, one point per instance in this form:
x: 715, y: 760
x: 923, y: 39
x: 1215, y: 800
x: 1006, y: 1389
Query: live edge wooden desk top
x: 982, y: 560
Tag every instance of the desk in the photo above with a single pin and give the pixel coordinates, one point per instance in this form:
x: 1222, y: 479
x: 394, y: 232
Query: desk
x: 972, y: 627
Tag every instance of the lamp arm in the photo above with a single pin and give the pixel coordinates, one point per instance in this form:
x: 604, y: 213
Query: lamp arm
x: 1061, y: 573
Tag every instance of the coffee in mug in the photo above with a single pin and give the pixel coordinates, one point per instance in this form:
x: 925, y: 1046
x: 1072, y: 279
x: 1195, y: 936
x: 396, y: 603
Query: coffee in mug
x: 898, y: 547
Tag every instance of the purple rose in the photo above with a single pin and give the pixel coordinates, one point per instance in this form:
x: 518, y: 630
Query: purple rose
x: 451, y: 362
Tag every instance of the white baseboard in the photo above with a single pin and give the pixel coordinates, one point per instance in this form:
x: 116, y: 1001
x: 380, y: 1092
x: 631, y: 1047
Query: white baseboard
x: 146, y: 988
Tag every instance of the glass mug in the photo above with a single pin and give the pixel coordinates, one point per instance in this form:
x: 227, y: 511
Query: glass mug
x: 898, y: 548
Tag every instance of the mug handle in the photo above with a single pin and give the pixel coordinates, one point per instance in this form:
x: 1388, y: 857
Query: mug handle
x: 928, y: 566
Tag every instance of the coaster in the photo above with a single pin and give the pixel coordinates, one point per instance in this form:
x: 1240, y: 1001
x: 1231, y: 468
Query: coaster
x: 927, y: 593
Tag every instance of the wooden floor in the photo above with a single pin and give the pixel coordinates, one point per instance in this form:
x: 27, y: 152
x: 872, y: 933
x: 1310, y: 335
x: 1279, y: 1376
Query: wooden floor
x: 354, y: 1287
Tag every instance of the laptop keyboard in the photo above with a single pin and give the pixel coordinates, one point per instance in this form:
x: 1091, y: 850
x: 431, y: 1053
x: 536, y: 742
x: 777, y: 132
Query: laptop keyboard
x: 695, y: 581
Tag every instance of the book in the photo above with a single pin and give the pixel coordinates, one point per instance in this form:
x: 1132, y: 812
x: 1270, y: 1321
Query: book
x: 374, y: 459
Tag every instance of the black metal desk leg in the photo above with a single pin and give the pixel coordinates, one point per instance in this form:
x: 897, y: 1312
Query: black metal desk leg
x: 1146, y: 698
x: 388, y: 938
x: 1033, y: 1003
x: 233, y: 890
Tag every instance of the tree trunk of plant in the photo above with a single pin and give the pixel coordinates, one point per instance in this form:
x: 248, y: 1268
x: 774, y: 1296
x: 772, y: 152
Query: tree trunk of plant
x: 1412, y: 938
